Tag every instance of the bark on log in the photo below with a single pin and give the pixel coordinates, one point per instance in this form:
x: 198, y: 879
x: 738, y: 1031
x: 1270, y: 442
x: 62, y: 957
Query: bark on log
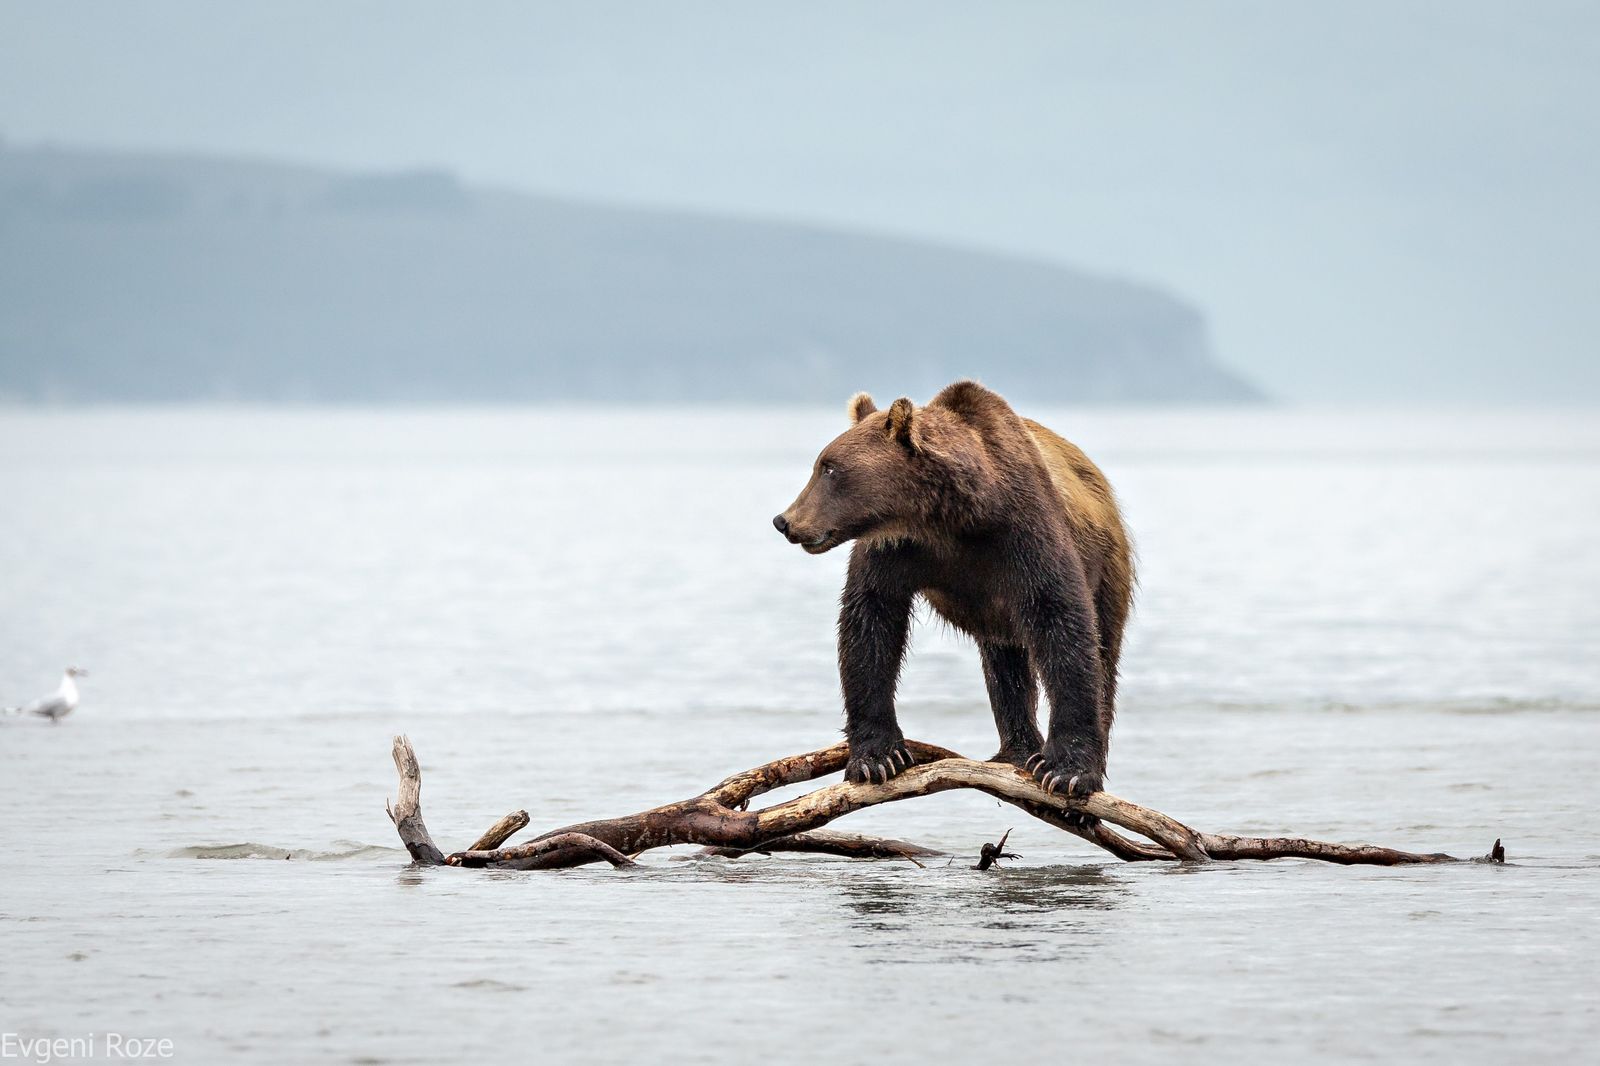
x: 501, y: 831
x: 572, y: 849
x: 720, y: 819
x: 822, y: 842
x: 406, y: 814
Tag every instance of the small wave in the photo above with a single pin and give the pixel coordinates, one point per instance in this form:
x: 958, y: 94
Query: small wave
x: 490, y: 984
x: 343, y: 849
x: 1513, y: 705
x: 350, y: 849
x: 234, y: 851
x: 1487, y: 705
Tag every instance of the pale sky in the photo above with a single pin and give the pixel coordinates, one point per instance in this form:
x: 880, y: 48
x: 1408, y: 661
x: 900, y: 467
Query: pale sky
x: 1384, y: 202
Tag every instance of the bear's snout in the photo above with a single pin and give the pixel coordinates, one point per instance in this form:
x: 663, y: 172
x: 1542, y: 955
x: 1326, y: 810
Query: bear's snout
x: 781, y: 524
x: 802, y: 536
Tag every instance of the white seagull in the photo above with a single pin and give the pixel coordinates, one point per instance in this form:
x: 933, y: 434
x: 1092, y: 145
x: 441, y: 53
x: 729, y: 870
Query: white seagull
x: 59, y: 703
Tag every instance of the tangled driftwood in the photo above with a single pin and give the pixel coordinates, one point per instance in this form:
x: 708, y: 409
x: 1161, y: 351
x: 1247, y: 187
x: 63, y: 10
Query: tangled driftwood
x: 720, y: 819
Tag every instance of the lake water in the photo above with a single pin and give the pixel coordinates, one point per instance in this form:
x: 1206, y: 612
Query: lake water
x: 1354, y: 626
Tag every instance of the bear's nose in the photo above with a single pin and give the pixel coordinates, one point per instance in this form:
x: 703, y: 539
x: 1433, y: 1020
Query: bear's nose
x: 781, y: 524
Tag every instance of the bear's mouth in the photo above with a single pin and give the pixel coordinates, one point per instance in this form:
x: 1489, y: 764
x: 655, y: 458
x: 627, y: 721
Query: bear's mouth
x: 820, y: 543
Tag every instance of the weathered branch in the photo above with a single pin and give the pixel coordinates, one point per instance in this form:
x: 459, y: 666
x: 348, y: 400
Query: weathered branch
x: 821, y: 841
x: 406, y: 814
x: 501, y: 831
x: 991, y: 854
x: 720, y: 819
x: 567, y: 849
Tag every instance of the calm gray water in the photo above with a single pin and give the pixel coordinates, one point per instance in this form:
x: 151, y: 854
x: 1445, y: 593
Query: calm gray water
x: 1361, y: 627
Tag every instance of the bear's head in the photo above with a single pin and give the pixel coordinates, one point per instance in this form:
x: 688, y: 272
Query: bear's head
x: 903, y: 473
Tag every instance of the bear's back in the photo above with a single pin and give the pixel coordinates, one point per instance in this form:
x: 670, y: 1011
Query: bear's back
x: 1089, y: 504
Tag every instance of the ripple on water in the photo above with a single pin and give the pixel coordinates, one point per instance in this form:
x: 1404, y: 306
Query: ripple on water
x: 489, y: 984
x: 343, y: 849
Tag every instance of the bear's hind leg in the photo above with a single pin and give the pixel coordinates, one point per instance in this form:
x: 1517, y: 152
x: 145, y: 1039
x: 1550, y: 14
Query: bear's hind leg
x: 1066, y: 645
x: 1014, y: 698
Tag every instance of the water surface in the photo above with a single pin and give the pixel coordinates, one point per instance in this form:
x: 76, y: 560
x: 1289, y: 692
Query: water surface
x: 1359, y: 627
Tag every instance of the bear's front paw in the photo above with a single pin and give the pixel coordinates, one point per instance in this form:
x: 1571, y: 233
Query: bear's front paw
x: 875, y: 763
x: 1070, y: 775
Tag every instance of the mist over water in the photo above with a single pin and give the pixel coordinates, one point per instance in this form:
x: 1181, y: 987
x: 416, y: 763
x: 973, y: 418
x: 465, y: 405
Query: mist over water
x: 1352, y: 626
x: 1389, y: 202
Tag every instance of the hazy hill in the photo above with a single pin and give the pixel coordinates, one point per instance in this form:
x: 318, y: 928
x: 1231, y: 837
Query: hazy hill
x: 130, y: 277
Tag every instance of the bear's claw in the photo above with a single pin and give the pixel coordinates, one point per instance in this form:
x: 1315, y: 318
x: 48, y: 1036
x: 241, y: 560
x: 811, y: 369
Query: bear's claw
x: 1067, y: 781
x: 877, y: 770
x: 1064, y: 780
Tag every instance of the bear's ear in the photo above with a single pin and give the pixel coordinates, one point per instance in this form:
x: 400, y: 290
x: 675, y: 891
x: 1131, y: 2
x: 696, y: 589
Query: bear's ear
x: 967, y: 399
x: 900, y: 414
x: 859, y: 407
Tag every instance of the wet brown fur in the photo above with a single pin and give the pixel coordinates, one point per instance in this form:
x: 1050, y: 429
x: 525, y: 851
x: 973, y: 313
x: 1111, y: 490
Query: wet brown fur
x: 1013, y: 536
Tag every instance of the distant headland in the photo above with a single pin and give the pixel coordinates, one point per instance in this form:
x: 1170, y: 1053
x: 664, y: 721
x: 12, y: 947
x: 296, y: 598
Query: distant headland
x: 153, y: 278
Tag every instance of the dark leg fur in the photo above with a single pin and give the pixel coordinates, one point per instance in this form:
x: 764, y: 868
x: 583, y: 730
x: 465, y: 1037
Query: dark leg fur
x: 1014, y: 697
x: 874, y: 617
x: 1066, y: 647
x: 1111, y: 616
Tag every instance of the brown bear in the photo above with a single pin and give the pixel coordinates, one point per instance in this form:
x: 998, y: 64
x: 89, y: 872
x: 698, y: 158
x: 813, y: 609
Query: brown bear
x: 1013, y: 536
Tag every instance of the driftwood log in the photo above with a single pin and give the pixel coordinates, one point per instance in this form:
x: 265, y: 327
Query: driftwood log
x: 721, y: 821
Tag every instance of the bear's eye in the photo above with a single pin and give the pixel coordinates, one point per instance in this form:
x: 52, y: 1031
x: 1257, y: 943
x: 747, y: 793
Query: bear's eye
x: 827, y: 469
